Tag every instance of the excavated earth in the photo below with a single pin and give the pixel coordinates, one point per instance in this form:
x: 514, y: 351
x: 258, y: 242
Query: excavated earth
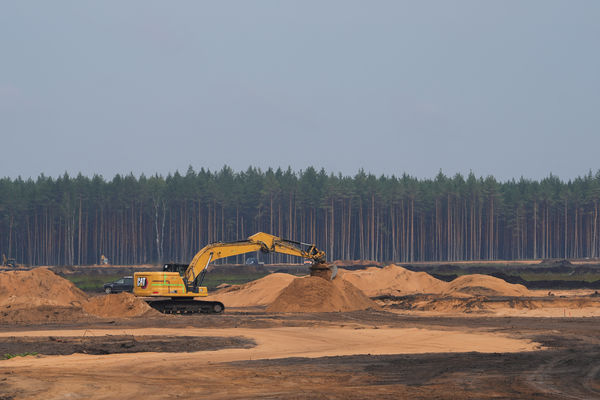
x: 409, y: 336
x: 41, y: 296
x: 313, y: 294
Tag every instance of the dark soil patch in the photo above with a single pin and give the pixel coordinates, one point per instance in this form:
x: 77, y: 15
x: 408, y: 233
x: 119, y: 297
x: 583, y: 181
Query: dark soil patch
x: 111, y: 344
x: 548, y: 284
x: 549, y: 274
x: 569, y: 371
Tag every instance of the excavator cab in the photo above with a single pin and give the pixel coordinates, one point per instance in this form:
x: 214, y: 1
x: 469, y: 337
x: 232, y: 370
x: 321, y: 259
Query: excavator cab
x: 173, y: 267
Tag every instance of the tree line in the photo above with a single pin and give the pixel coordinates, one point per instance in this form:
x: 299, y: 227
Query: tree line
x: 133, y: 220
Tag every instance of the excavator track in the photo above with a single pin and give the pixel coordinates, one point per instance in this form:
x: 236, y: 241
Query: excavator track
x: 187, y: 306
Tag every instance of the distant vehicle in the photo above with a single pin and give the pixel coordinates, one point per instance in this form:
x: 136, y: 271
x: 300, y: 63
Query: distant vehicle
x: 8, y: 262
x: 253, y: 261
x: 124, y: 284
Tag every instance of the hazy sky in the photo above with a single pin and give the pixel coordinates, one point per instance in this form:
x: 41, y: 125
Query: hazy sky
x: 508, y: 88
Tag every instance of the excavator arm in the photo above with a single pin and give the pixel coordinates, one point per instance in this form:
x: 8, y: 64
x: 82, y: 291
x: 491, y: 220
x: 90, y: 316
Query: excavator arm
x: 259, y: 241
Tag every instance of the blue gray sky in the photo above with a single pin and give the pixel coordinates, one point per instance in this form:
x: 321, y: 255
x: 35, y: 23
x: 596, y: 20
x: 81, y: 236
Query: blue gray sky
x: 503, y: 88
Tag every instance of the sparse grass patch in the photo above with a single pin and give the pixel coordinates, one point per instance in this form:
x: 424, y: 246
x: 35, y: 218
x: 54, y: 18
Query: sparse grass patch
x: 91, y: 283
x: 94, y: 282
x: 8, y: 356
x: 211, y: 281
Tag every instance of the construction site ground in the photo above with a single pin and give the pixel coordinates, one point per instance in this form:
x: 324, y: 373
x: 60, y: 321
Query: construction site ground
x: 476, y: 337
x: 350, y: 355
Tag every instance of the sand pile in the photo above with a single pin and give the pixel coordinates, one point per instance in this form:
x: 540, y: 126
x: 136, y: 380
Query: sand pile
x: 393, y: 281
x: 37, y: 287
x: 118, y: 305
x: 484, y: 285
x: 287, y: 293
x: 313, y: 294
x: 41, y: 296
x: 260, y: 292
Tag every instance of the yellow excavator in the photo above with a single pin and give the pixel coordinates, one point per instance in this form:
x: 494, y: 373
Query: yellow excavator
x: 181, y: 283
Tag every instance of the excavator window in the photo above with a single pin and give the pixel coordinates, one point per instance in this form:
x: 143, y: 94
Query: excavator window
x: 173, y: 267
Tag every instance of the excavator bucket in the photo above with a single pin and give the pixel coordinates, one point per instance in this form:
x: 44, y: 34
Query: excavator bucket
x: 325, y: 271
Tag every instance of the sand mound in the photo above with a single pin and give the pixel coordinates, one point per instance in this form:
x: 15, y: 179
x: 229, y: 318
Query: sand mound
x: 393, y: 281
x: 484, y: 285
x: 397, y: 281
x: 287, y: 293
x: 313, y: 294
x: 41, y: 296
x: 118, y: 305
x: 260, y: 292
x: 37, y: 287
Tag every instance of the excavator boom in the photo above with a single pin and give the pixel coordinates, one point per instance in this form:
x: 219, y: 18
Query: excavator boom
x: 259, y: 241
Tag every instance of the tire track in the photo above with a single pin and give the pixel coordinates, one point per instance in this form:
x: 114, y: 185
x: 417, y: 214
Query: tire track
x: 568, y: 376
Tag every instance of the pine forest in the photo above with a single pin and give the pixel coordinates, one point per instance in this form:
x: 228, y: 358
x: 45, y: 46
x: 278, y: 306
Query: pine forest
x: 138, y: 220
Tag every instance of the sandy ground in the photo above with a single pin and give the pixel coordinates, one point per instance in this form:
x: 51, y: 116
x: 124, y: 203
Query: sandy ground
x: 451, y: 344
x: 320, y: 355
x: 284, y: 342
x: 136, y: 375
